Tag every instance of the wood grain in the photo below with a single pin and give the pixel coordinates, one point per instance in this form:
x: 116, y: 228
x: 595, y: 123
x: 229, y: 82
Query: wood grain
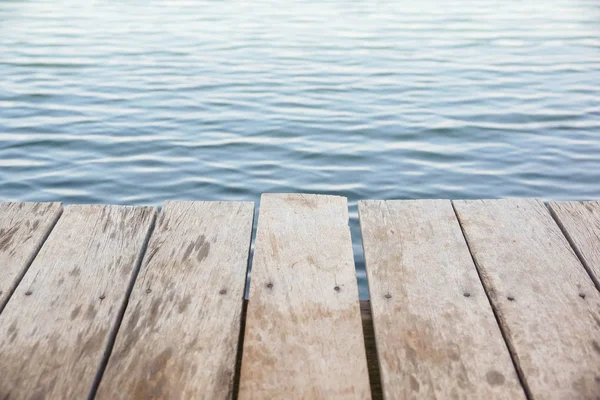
x: 179, y: 336
x: 580, y: 222
x: 436, y: 333
x: 23, y: 229
x: 303, y: 336
x: 55, y: 328
x: 546, y: 303
x: 372, y: 361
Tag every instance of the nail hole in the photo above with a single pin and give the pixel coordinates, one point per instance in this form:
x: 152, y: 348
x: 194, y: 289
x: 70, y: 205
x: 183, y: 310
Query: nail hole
x: 510, y: 298
x: 582, y: 295
x: 467, y: 294
x: 270, y: 285
x: 337, y: 288
x: 28, y: 293
x: 148, y: 290
x: 388, y: 296
x: 223, y: 291
x: 102, y: 297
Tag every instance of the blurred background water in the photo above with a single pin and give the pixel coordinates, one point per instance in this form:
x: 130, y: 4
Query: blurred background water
x: 137, y: 102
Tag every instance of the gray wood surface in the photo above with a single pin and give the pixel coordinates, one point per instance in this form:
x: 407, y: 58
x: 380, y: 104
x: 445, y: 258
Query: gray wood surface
x: 580, y: 222
x: 436, y: 333
x: 304, y: 338
x: 23, y: 229
x: 55, y: 328
x: 180, y: 333
x: 547, y: 304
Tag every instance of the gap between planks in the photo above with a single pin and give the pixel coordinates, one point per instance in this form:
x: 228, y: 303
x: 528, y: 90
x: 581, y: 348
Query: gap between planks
x: 90, y: 255
x: 180, y: 333
x: 18, y: 249
x: 580, y: 223
x: 436, y: 333
x: 546, y: 301
x: 510, y: 348
x: 115, y: 330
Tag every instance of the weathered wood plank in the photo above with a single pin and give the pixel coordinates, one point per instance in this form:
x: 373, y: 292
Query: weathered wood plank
x: 580, y: 222
x: 56, y: 326
x: 436, y: 333
x: 23, y: 229
x: 303, y: 327
x: 179, y: 336
x: 372, y: 361
x: 546, y: 303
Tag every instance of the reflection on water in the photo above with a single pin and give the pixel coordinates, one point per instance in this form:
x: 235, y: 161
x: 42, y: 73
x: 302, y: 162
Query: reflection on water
x: 138, y: 102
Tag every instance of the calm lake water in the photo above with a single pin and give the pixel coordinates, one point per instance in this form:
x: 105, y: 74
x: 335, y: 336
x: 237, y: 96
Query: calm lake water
x: 137, y: 102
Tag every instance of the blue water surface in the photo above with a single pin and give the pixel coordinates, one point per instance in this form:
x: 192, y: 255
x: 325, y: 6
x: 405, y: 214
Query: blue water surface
x: 137, y: 102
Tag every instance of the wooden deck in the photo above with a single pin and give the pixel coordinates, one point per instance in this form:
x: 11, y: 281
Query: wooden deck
x: 469, y: 300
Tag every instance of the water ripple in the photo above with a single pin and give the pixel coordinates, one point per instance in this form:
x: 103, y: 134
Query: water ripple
x: 112, y: 102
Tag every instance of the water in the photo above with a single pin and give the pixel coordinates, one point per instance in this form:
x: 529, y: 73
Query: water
x: 137, y: 102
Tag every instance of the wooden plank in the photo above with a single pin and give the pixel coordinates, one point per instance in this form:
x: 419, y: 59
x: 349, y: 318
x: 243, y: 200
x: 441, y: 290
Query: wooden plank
x: 56, y: 327
x: 436, y: 333
x: 303, y: 327
x: 547, y: 305
x: 369, y: 335
x: 23, y: 229
x: 580, y: 222
x: 179, y: 337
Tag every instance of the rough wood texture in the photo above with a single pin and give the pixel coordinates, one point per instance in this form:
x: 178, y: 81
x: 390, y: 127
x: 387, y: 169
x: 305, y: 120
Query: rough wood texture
x: 580, y: 222
x: 436, y: 333
x: 56, y: 326
x: 179, y: 336
x: 547, y: 305
x: 23, y: 229
x: 303, y: 328
x: 372, y: 361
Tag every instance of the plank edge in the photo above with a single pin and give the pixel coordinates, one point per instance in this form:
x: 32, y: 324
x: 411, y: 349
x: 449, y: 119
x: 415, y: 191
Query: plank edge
x: 116, y: 323
x: 237, y: 371
x: 497, y: 314
x: 551, y: 208
x: 55, y: 217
